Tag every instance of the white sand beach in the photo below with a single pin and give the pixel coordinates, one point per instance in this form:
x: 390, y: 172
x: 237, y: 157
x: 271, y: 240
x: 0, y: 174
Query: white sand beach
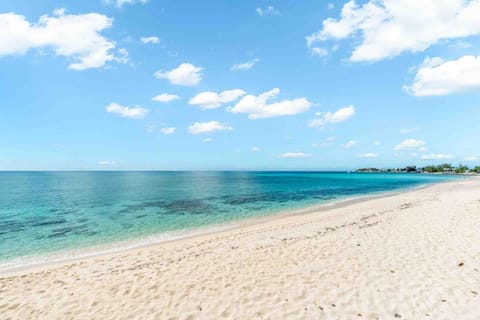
x: 414, y: 255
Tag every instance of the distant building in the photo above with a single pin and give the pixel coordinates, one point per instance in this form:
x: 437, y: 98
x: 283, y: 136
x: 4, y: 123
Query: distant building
x: 451, y: 170
x: 411, y: 169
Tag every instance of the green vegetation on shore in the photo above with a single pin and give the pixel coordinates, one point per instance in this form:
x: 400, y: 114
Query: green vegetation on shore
x: 446, y: 167
x: 441, y: 168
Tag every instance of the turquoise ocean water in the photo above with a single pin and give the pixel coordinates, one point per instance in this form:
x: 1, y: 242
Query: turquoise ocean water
x: 45, y: 212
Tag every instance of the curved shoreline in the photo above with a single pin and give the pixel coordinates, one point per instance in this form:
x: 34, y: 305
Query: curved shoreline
x: 28, y: 263
x: 413, y: 254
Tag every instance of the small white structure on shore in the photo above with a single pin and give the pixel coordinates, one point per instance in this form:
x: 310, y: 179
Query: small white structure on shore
x: 450, y: 170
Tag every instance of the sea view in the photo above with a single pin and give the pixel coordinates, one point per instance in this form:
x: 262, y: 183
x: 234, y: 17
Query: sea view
x: 274, y: 160
x: 44, y: 212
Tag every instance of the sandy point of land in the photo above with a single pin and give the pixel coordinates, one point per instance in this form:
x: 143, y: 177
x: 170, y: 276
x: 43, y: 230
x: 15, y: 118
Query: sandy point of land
x: 415, y: 255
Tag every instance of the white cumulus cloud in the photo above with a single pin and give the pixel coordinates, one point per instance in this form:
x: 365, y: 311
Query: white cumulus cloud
x: 388, y: 28
x: 120, y: 3
x: 295, y: 155
x: 436, y: 77
x: 165, y: 97
x: 411, y: 144
x: 350, y: 144
x: 77, y: 37
x: 257, y: 107
x: 151, y: 39
x: 185, y: 74
x: 328, y: 142
x: 319, y: 51
x: 321, y: 145
x: 212, y: 100
x: 256, y: 149
x: 268, y: 10
x: 106, y: 163
x: 208, y: 127
x: 368, y: 155
x: 340, y: 115
x: 168, y: 131
x: 127, y: 112
x: 245, y: 65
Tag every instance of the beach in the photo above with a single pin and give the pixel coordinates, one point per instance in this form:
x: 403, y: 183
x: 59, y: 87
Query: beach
x: 411, y: 255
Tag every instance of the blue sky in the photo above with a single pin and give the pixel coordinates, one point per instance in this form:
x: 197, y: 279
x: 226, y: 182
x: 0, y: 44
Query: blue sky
x: 322, y: 85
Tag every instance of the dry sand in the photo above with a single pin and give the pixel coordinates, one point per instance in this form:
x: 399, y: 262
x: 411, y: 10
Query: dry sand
x: 415, y: 255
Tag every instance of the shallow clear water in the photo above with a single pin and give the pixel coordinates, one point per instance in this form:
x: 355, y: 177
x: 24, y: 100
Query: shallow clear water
x: 44, y: 212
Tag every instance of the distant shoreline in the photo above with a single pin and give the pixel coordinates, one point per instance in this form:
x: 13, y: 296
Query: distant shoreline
x: 441, y: 169
x: 425, y: 173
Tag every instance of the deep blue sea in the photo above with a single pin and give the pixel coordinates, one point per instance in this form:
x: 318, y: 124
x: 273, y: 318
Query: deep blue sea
x: 44, y: 212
